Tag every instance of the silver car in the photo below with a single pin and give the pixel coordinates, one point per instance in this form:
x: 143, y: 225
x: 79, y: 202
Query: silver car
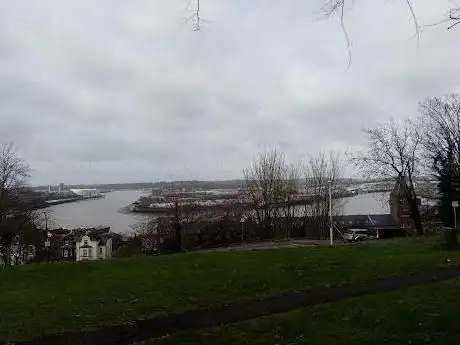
x: 355, y: 235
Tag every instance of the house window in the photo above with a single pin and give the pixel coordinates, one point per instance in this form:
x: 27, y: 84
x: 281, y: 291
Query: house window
x: 85, y: 252
x: 85, y: 242
x: 66, y: 253
x: 100, y: 251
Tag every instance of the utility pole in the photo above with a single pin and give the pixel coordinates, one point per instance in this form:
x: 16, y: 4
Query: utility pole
x: 47, y: 241
x: 46, y: 222
x: 243, y: 220
x: 454, y: 206
x: 331, y: 231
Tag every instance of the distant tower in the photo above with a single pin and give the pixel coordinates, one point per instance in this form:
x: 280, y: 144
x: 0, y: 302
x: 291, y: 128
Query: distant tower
x: 399, y: 206
x: 49, y: 188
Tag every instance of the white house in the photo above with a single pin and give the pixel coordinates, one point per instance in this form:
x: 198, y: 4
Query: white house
x: 93, y: 248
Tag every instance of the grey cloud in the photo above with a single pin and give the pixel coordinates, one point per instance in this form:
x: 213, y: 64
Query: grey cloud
x: 124, y: 90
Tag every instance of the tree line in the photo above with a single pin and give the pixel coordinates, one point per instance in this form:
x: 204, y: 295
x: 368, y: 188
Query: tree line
x: 397, y: 150
x: 400, y: 150
x: 425, y: 144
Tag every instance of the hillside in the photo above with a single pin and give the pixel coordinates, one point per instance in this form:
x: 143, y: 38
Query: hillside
x: 44, y: 299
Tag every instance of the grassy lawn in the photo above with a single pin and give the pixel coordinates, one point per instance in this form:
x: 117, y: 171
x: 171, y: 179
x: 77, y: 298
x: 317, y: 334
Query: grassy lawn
x: 420, y: 315
x: 51, y: 298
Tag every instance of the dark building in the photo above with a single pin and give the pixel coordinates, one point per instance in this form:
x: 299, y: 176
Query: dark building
x: 399, y: 205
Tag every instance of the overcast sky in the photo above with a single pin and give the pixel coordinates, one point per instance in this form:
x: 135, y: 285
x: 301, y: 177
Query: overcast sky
x: 120, y: 91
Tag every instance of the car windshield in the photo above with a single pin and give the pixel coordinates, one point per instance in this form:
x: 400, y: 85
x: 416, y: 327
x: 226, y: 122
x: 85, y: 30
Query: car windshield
x: 358, y: 232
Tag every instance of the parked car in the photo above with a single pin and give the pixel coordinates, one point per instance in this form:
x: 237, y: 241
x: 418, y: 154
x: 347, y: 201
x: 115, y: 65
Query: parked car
x: 355, y: 235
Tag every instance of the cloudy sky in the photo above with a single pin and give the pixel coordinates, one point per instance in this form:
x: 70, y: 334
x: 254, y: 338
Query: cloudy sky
x: 114, y: 90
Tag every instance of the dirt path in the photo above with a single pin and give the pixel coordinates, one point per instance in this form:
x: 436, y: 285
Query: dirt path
x: 140, y: 330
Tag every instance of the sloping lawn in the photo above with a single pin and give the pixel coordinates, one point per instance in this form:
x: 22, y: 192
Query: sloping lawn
x: 51, y: 298
x: 420, y: 315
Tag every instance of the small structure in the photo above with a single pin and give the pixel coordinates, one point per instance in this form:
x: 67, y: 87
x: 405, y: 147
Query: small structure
x: 68, y: 249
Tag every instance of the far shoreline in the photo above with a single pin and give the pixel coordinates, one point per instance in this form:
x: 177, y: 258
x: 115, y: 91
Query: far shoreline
x: 126, y: 210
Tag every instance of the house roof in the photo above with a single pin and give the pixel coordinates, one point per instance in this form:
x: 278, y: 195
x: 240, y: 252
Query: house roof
x: 86, y: 246
x: 400, y: 187
x: 59, y: 231
x: 95, y: 234
x: 376, y: 220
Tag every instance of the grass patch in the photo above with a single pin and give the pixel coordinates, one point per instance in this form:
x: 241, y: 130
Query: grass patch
x: 420, y: 315
x: 51, y: 298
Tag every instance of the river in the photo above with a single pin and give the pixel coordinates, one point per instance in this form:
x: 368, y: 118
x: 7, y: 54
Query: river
x: 96, y: 212
x: 106, y: 211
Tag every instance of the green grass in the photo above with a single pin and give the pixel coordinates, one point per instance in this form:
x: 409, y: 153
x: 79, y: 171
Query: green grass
x: 52, y: 298
x: 420, y: 315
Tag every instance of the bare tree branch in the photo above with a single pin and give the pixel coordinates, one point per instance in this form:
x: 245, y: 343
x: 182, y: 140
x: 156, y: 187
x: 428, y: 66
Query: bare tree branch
x: 264, y: 185
x: 332, y: 7
x: 14, y: 211
x: 195, y: 17
x: 319, y: 171
x: 394, y: 152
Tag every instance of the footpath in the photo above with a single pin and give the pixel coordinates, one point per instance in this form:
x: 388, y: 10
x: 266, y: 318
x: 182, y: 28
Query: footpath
x: 141, y: 330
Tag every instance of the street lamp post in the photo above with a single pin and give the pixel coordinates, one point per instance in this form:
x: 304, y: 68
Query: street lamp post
x: 47, y: 242
x: 454, y: 206
x: 46, y: 222
x: 331, y: 233
x: 243, y: 220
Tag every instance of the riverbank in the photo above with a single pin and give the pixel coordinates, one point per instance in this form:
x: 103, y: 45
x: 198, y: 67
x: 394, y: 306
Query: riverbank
x: 204, y: 203
x: 114, y: 210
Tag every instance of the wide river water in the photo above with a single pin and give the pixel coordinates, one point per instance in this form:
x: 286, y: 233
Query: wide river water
x: 106, y: 211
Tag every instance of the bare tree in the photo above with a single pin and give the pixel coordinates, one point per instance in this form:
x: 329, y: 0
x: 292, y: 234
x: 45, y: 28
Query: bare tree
x: 320, y: 171
x: 440, y: 117
x: 289, y: 184
x: 146, y: 231
x: 14, y: 210
x: 441, y: 124
x: 23, y: 226
x: 264, y: 187
x: 394, y: 152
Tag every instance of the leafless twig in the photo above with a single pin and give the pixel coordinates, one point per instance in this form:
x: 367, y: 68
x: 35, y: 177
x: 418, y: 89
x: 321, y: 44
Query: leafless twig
x: 333, y: 6
x: 415, y: 20
x: 195, y: 17
x: 454, y: 15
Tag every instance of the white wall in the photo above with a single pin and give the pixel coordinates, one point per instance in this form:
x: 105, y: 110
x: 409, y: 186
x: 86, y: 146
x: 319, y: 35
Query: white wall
x: 106, y: 250
x: 92, y: 250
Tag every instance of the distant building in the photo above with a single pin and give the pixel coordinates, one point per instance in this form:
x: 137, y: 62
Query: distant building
x: 401, y: 213
x: 61, y: 187
x: 93, y: 248
x: 86, y: 193
x: 399, y: 205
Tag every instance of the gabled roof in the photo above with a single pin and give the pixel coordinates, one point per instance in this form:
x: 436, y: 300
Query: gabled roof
x: 364, y: 219
x: 400, y: 187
